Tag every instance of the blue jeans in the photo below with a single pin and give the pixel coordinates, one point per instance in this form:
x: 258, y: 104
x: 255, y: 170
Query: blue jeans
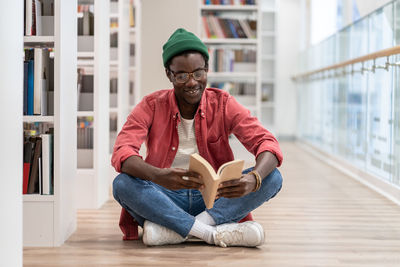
x: 175, y: 209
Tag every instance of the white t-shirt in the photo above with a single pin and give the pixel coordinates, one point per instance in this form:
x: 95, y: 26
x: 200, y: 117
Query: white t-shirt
x: 187, y: 144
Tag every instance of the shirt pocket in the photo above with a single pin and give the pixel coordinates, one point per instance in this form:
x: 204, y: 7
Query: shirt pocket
x: 216, y: 146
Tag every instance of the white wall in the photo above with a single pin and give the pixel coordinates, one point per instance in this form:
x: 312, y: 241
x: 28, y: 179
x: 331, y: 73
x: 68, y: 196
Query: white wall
x: 287, y: 49
x: 159, y: 20
x: 367, y: 6
x: 11, y: 87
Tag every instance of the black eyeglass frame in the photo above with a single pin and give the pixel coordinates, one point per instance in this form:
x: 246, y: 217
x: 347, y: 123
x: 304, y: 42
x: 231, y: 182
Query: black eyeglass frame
x: 189, y: 74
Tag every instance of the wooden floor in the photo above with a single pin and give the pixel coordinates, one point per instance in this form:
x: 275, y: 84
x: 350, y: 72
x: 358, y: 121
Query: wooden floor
x: 320, y: 218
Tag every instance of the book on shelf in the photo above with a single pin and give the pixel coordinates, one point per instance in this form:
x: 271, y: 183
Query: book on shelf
x: 38, y: 82
x: 232, y: 58
x: 131, y: 14
x: 28, y: 151
x: 229, y: 171
x: 85, y: 91
x: 39, y: 18
x: 86, y: 20
x: 85, y: 133
x: 38, y: 168
x: 215, y: 26
x: 47, y: 164
x: 229, y: 2
x: 25, y: 93
x: 33, y: 185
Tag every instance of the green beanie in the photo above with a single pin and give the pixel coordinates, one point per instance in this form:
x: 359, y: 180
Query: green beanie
x: 180, y: 41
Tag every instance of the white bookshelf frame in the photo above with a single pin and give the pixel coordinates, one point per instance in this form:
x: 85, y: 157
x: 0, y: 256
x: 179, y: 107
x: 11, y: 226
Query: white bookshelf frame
x: 135, y: 70
x: 92, y: 189
x: 270, y: 58
x: 11, y: 156
x: 50, y: 219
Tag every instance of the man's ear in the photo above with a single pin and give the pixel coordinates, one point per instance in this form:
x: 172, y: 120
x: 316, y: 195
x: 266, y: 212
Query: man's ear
x: 169, y: 74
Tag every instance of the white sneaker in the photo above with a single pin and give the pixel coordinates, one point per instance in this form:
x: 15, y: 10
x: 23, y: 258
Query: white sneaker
x: 246, y: 234
x: 157, y: 235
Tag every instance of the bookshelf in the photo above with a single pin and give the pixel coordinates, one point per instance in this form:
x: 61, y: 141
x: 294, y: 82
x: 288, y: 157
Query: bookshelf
x: 134, y: 52
x: 92, y: 120
x: 268, y: 16
x: 251, y: 81
x: 115, y: 35
x: 119, y: 66
x: 232, y: 34
x: 48, y: 220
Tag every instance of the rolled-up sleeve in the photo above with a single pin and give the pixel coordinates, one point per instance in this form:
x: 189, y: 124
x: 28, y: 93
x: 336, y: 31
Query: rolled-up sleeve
x: 133, y: 134
x: 249, y: 130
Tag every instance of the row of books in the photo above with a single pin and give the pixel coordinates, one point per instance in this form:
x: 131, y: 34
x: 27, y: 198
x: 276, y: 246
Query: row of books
x: 85, y: 90
x: 267, y: 92
x: 86, y: 23
x: 235, y: 88
x: 38, y: 82
x: 218, y: 27
x: 229, y: 60
x: 114, y: 23
x: 85, y: 133
x: 114, y: 39
x: 38, y: 174
x: 85, y: 8
x: 38, y: 18
x: 229, y: 2
x: 113, y: 122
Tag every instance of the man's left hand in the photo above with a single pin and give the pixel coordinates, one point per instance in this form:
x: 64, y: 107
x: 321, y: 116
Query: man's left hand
x: 238, y: 187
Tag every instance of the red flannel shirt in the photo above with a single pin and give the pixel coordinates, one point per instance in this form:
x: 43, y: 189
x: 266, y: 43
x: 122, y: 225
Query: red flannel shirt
x: 155, y: 120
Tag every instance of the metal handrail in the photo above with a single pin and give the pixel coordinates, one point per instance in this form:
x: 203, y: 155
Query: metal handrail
x: 373, y: 56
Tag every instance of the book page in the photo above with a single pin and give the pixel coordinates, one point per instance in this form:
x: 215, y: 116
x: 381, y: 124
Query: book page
x: 198, y: 164
x: 230, y: 170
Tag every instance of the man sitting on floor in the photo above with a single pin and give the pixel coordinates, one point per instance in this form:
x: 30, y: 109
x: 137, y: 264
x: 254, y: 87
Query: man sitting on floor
x: 159, y: 192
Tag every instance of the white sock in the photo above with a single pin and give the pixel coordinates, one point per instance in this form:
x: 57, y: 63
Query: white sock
x: 202, y: 231
x: 206, y: 218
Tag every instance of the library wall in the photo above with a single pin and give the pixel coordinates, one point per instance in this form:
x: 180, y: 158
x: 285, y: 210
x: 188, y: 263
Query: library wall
x: 159, y: 20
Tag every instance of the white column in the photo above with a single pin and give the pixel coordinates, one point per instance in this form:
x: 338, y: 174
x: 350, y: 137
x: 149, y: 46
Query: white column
x: 11, y: 88
x: 65, y: 119
x: 102, y: 100
x: 123, y: 62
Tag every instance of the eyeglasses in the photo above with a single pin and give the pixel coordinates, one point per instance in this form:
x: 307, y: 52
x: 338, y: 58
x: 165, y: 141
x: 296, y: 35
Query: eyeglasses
x: 183, y: 77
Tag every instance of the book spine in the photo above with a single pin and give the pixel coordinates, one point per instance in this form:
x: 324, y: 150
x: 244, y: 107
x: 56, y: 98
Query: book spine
x: 26, y: 88
x: 38, y: 82
x: 46, y: 169
x: 34, y: 174
x: 38, y: 17
x: 28, y: 17
x: 30, y: 89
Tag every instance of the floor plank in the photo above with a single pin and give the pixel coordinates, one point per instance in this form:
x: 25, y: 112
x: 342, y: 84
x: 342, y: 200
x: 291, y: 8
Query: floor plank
x: 320, y: 218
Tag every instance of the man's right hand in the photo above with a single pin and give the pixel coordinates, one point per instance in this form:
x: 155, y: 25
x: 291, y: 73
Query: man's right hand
x: 174, y: 179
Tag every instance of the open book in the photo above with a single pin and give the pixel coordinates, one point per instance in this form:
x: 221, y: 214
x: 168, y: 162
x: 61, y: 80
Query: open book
x: 228, y: 171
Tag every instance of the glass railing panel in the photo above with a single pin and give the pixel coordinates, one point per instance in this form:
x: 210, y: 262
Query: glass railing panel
x: 379, y: 119
x: 343, y: 45
x: 396, y: 19
x: 381, y: 29
x: 357, y: 117
x: 359, y: 38
x: 396, y: 124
